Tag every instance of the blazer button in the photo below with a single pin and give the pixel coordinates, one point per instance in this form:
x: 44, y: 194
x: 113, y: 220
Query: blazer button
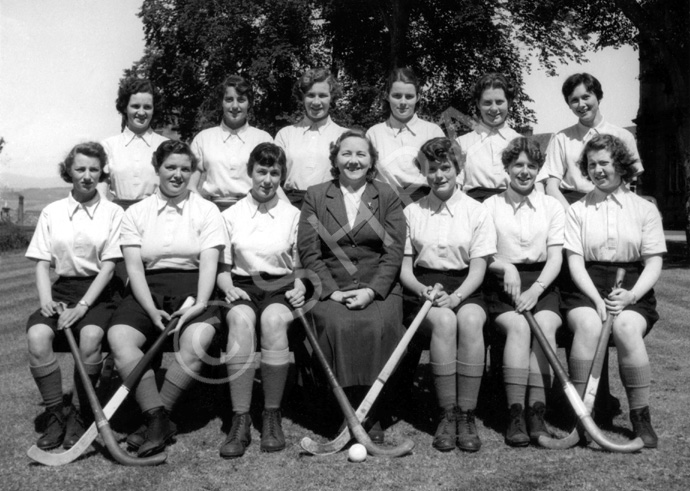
x: 355, y: 281
x: 355, y: 261
x: 353, y: 245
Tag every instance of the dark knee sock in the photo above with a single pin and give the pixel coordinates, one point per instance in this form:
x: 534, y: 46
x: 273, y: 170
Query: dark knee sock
x: 241, y: 370
x: 444, y: 382
x: 579, y: 373
x: 469, y: 381
x: 515, y: 380
x: 177, y: 380
x: 146, y: 393
x: 81, y: 401
x: 48, y: 378
x: 274, y: 370
x: 636, y: 381
x: 538, y: 382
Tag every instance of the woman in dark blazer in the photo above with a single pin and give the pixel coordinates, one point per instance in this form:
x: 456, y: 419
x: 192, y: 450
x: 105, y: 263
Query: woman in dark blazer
x: 351, y: 235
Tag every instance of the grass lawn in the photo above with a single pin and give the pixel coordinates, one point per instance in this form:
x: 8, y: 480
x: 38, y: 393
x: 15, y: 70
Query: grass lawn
x: 193, y: 461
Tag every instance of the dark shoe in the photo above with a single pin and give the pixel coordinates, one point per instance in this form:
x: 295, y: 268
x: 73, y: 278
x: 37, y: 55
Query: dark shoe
x: 159, y: 432
x: 468, y: 439
x: 516, y: 434
x: 444, y: 439
x: 535, y: 422
x: 239, y: 437
x: 642, y: 426
x: 54, y: 433
x: 76, y: 426
x: 272, y: 438
x: 136, y: 439
x: 377, y: 433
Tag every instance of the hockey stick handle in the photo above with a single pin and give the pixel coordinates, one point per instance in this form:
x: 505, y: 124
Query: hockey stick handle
x: 355, y: 426
x: 582, y: 412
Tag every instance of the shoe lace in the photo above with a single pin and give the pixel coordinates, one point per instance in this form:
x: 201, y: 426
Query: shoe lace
x: 447, y: 422
x: 235, y: 429
x: 466, y: 421
x: 272, y: 418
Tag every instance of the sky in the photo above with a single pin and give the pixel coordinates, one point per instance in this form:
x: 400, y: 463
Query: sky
x: 60, y: 63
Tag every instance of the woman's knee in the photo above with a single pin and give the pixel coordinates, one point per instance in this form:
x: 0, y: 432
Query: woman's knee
x: 39, y: 339
x: 628, y: 331
x: 90, y: 339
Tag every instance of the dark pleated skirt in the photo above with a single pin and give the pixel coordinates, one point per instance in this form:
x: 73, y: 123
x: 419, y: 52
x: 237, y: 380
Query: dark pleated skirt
x: 358, y: 343
x: 500, y: 302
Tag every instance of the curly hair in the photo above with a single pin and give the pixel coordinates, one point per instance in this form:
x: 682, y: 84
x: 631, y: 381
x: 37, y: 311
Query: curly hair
x: 90, y: 149
x: 439, y: 150
x: 493, y: 80
x: 589, y: 81
x: 519, y: 145
x: 335, y: 148
x: 313, y: 76
x: 267, y: 155
x: 241, y: 85
x: 130, y: 86
x: 169, y: 147
x: 623, y: 160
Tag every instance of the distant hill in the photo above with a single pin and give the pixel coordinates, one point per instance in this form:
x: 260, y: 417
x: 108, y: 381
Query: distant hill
x: 35, y: 199
x: 18, y: 181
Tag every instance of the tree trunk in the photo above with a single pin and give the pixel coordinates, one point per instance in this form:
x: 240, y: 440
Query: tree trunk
x: 396, y: 16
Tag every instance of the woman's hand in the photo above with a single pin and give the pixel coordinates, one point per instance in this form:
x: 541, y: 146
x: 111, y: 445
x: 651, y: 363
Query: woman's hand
x: 511, y: 282
x: 358, y: 299
x: 528, y: 299
x: 69, y: 317
x: 600, y: 307
x: 426, y: 293
x: 50, y: 308
x: 186, y: 313
x: 444, y: 300
x: 296, y: 296
x: 234, y: 294
x: 159, y: 318
x: 338, y: 296
x: 618, y: 299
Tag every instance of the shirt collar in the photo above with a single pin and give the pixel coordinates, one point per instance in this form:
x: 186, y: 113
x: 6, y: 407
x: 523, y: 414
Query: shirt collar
x: 89, y: 207
x: 257, y: 207
x: 485, y: 132
x: 239, y: 132
x: 130, y: 136
x: 599, y: 197
x: 178, y: 203
x: 398, y: 126
x: 586, y: 130
x: 320, y: 126
x: 437, y: 206
x: 516, y: 199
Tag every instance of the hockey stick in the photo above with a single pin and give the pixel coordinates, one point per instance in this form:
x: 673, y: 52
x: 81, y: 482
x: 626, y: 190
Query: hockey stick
x: 581, y: 410
x: 56, y: 459
x: 593, y: 381
x: 345, y: 436
x: 355, y: 426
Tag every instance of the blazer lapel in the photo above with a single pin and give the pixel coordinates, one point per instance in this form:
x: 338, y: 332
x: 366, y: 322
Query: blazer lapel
x: 335, y: 205
x: 368, y: 208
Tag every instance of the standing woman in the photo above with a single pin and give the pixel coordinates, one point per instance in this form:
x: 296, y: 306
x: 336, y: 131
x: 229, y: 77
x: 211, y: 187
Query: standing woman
x: 561, y: 172
x: 256, y: 277
x: 398, y: 139
x: 78, y: 236
x: 351, y: 234
x: 171, y: 243
x: 529, y: 228
x: 483, y: 174
x: 307, y: 144
x: 614, y: 228
x: 131, y: 176
x: 223, y: 151
x: 450, y: 238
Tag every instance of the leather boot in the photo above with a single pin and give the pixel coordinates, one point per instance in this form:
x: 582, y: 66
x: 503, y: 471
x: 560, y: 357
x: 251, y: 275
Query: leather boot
x: 54, y: 433
x: 516, y: 434
x: 535, y: 422
x: 159, y: 432
x: 272, y: 438
x: 239, y: 437
x: 642, y: 426
x: 468, y: 438
x: 444, y: 439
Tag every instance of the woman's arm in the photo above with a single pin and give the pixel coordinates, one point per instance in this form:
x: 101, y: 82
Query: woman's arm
x: 620, y: 298
x: 45, y: 292
x: 553, y: 188
x: 208, y: 266
x: 410, y: 281
x: 100, y: 282
x: 581, y: 278
x: 512, y: 284
x: 139, y: 286
x: 193, y: 184
x: 474, y: 279
x: 554, y: 259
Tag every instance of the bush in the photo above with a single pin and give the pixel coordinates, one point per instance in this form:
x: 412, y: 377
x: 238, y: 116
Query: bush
x: 13, y: 237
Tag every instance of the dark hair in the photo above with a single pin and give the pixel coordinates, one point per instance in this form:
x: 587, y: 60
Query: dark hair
x: 439, y: 150
x: 313, y: 76
x: 90, y: 149
x: 335, y: 148
x: 405, y: 75
x: 623, y: 160
x: 589, y: 81
x: 241, y: 85
x: 129, y: 87
x: 268, y: 154
x: 519, y: 145
x: 493, y: 80
x: 169, y: 147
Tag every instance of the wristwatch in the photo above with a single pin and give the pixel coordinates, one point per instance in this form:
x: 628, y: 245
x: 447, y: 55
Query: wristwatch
x: 83, y: 303
x: 459, y: 295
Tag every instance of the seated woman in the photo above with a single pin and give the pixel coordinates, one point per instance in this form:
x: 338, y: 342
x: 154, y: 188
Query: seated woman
x: 171, y: 242
x: 223, y: 151
x: 351, y: 234
x: 78, y: 237
x: 611, y: 228
x: 256, y: 278
x: 529, y: 229
x: 450, y: 237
